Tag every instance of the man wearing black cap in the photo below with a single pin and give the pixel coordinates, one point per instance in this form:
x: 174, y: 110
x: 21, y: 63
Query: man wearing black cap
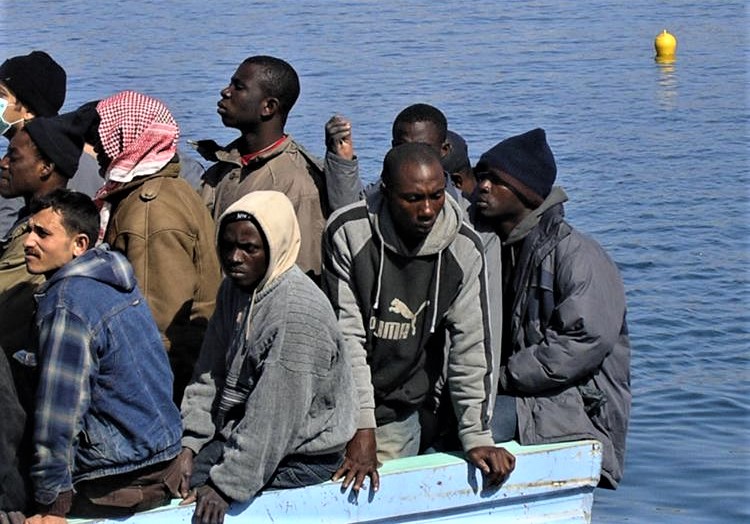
x: 31, y: 86
x: 41, y: 157
x: 565, y: 348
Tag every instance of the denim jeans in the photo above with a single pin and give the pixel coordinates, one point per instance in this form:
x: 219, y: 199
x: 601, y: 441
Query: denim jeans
x: 293, y: 472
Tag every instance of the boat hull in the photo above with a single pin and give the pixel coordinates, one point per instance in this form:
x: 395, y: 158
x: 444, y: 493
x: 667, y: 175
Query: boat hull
x: 552, y: 483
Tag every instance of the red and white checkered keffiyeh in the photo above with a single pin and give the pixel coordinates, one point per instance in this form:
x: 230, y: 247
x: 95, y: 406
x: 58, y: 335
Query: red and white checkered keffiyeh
x: 138, y: 135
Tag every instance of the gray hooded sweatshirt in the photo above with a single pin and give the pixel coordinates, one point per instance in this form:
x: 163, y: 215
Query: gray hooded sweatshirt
x: 395, y: 307
x: 272, y: 378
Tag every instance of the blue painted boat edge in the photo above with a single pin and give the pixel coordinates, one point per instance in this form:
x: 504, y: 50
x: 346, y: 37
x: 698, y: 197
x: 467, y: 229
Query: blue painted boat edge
x: 551, y: 483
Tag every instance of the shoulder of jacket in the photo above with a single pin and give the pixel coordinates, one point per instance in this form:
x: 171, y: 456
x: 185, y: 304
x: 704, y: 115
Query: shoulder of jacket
x: 312, y: 160
x: 348, y: 216
x: 150, y: 189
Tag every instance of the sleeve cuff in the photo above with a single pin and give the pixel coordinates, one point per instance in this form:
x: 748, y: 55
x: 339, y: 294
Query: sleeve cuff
x: 366, y: 419
x: 475, y: 440
x: 59, y: 507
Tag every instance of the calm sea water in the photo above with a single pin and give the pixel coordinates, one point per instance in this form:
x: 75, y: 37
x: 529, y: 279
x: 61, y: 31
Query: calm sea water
x: 654, y: 158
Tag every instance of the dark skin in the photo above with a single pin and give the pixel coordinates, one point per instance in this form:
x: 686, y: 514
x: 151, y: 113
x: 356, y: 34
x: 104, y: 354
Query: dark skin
x: 465, y: 182
x: 243, y: 253
x: 11, y: 517
x: 497, y: 203
x: 415, y: 197
x: 339, y: 137
x: 422, y: 132
x: 245, y: 106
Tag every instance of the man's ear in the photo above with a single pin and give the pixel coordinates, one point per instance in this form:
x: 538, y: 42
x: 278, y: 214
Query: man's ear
x: 80, y: 244
x: 270, y: 107
x: 47, y: 168
x: 457, y: 179
x: 445, y: 149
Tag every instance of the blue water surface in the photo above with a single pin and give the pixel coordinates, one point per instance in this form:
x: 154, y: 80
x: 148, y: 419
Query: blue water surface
x: 653, y: 156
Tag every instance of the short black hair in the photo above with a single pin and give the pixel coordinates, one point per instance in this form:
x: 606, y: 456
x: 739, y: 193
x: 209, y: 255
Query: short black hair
x: 79, y: 213
x: 422, y: 113
x: 277, y: 79
x: 416, y: 152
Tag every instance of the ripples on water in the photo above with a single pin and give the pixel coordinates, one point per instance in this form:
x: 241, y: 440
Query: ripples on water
x: 654, y: 158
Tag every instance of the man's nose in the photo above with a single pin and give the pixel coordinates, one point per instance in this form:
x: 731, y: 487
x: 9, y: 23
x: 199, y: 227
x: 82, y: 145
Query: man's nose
x: 427, y: 209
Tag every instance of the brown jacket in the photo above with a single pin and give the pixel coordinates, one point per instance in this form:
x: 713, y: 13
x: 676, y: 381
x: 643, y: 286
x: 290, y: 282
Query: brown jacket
x: 17, y: 288
x: 161, y: 225
x: 289, y: 169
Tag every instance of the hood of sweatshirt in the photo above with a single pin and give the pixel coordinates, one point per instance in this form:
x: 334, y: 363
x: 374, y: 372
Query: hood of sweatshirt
x: 99, y: 263
x: 524, y: 227
x: 275, y: 215
x: 444, y: 231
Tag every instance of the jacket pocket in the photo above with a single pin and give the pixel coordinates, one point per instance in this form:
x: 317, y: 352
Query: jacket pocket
x: 561, y: 416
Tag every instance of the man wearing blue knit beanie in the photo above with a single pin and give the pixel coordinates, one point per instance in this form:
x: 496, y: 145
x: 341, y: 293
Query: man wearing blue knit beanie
x: 565, y: 360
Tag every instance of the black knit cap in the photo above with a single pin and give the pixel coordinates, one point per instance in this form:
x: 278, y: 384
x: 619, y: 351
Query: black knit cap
x: 526, y: 163
x: 457, y: 158
x: 59, y: 139
x: 37, y: 81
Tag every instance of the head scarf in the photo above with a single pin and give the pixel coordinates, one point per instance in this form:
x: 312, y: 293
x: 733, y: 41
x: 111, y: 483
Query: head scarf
x: 138, y: 135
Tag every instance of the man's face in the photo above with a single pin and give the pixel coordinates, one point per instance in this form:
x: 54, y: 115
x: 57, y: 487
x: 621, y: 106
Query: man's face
x: 243, y: 254
x: 49, y: 246
x: 243, y: 100
x: 415, y: 199
x: 493, y: 198
x: 22, y: 167
x: 420, y: 132
x: 16, y: 110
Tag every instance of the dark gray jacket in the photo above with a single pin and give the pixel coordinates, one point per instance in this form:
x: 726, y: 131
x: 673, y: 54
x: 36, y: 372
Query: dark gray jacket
x: 567, y: 345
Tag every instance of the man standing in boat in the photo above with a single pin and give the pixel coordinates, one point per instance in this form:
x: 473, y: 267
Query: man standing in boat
x: 565, y: 346
x: 257, y: 101
x: 402, y: 270
x: 271, y: 402
x: 421, y: 123
x: 106, y: 430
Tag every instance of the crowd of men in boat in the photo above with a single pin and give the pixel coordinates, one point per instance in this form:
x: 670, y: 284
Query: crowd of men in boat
x: 273, y: 322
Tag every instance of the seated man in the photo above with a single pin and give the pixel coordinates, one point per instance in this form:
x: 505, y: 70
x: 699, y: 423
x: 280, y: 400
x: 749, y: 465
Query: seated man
x: 12, y: 474
x: 565, y: 346
x: 32, y: 86
x: 41, y: 157
x: 400, y: 269
x: 271, y: 404
x: 106, y: 430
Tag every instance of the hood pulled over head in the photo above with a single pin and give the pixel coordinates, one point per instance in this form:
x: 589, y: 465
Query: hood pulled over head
x: 274, y: 214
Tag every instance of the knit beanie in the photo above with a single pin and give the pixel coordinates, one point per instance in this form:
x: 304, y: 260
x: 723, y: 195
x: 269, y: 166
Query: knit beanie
x: 37, y: 81
x: 526, y: 163
x: 59, y: 140
x: 457, y: 158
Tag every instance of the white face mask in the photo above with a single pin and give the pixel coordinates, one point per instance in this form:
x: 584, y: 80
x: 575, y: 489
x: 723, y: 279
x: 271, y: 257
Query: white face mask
x: 4, y: 124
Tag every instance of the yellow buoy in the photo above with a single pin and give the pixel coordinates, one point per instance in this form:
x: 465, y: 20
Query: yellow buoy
x: 666, y: 46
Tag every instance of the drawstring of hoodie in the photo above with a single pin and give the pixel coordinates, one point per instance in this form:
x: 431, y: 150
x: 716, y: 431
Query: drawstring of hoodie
x: 434, y: 304
x: 380, y: 274
x: 437, y: 290
x: 232, y: 393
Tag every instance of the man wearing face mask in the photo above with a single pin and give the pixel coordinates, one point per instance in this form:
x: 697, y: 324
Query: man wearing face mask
x: 30, y: 86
